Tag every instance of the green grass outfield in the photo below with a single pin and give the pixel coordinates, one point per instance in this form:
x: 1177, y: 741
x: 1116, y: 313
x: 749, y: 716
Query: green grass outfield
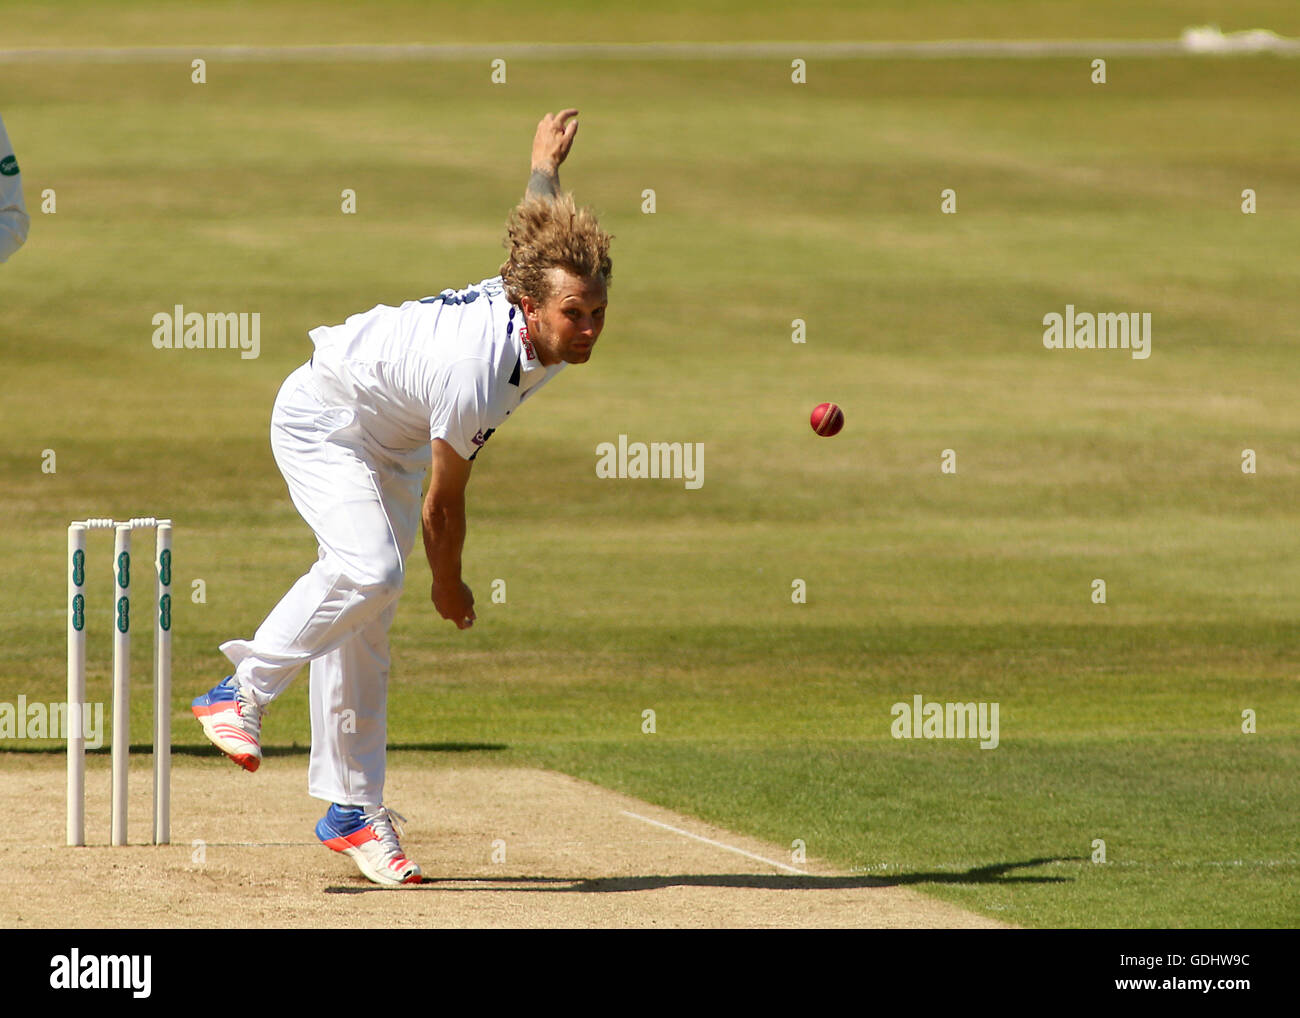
x: 1120, y: 722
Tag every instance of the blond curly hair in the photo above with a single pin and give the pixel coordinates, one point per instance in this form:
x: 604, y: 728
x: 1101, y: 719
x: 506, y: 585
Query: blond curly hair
x: 546, y: 233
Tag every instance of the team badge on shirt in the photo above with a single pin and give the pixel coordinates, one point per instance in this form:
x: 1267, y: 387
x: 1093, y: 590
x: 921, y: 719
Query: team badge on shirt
x: 529, y: 352
x: 480, y: 437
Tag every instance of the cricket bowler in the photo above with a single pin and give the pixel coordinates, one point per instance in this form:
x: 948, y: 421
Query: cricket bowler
x: 387, y: 396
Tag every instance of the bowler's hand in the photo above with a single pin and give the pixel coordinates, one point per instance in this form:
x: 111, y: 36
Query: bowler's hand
x: 455, y: 603
x: 553, y: 140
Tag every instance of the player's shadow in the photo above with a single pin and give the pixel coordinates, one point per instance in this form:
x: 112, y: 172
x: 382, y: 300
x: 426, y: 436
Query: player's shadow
x: 207, y: 749
x: 995, y: 873
x: 296, y: 750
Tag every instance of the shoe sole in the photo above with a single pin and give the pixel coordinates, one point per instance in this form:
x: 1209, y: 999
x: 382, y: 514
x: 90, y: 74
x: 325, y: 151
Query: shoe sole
x: 249, y: 761
x: 374, y: 876
x: 363, y: 864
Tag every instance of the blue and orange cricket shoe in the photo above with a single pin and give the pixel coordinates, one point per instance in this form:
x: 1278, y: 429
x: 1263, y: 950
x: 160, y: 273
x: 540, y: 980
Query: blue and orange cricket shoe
x: 232, y: 719
x: 371, y: 841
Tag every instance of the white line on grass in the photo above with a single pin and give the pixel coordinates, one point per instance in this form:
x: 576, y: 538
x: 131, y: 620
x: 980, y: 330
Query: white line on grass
x: 256, y: 844
x: 716, y: 844
x: 940, y: 49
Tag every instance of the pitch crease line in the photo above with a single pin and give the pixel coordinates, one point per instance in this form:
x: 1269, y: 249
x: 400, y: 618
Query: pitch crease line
x: 716, y: 844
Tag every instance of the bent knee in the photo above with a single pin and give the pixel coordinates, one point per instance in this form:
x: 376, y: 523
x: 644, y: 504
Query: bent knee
x: 380, y: 581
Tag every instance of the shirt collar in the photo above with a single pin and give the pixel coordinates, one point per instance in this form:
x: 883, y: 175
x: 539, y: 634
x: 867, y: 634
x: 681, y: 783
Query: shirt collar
x: 531, y: 369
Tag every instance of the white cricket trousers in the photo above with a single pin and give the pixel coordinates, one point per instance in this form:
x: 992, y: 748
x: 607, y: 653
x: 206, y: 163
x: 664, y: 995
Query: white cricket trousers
x: 363, y: 503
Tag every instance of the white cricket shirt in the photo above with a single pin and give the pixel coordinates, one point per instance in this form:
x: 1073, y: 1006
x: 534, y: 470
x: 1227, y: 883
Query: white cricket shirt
x: 14, y: 220
x: 453, y: 366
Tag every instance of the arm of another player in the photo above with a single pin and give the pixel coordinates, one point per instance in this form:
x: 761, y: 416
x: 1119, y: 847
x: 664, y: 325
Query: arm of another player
x: 551, y: 145
x: 14, y: 220
x: 443, y: 525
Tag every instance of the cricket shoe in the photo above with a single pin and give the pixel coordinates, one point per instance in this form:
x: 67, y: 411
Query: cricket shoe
x: 371, y: 841
x: 232, y: 719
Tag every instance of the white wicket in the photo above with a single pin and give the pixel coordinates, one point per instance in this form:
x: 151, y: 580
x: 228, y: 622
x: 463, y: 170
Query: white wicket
x: 121, y: 676
x: 162, y: 688
x: 121, y: 747
x: 76, y: 684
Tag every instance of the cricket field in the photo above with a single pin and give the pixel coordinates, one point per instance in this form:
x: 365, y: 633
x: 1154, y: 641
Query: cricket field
x: 1097, y: 548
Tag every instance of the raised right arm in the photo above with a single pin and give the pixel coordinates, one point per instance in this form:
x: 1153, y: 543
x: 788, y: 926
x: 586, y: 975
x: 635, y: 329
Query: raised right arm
x: 551, y: 145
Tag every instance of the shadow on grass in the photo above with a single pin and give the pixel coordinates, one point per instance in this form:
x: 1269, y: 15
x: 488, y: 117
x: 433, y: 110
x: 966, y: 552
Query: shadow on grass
x: 195, y: 749
x: 996, y: 873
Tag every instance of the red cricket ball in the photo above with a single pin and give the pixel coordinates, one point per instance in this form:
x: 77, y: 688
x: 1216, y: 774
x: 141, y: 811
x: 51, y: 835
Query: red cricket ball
x: 827, y: 419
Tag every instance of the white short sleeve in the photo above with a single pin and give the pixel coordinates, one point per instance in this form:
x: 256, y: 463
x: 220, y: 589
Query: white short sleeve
x: 14, y: 220
x: 463, y: 415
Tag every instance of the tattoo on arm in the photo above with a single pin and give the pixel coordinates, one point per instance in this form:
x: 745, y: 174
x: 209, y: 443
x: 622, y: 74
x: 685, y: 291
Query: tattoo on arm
x: 543, y: 184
